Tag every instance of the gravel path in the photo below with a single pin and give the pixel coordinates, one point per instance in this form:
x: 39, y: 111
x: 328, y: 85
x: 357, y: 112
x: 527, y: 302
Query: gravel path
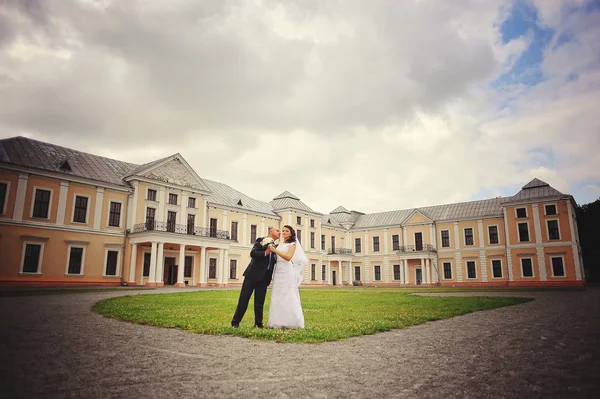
x: 54, y: 346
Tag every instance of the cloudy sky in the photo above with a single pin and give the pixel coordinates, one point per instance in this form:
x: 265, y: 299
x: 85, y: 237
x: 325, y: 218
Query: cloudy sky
x: 375, y: 105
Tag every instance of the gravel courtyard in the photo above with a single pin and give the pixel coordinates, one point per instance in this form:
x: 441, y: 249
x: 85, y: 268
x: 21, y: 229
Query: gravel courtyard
x: 54, y: 346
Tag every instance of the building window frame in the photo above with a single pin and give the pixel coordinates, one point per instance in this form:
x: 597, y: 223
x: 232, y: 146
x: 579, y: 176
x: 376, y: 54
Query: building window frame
x: 562, y: 264
x: 548, y: 230
x: 323, y: 272
x: 395, y: 242
x: 4, y: 203
x: 212, y: 268
x: 253, y: 233
x: 233, y: 269
x: 447, y: 271
x: 323, y: 239
x: 192, y: 203
x: 376, y: 272
x: 312, y: 223
x: 38, y: 271
x: 375, y: 243
x: 87, y: 209
x: 144, y: 263
x: 500, y: 268
x: 550, y: 205
x: 419, y: 242
x: 154, y: 195
x: 117, y: 265
x: 530, y: 259
x: 313, y: 271
x: 445, y: 240
x: 81, y: 265
x: 357, y: 245
x: 312, y: 240
x: 110, y: 213
x: 517, y: 213
x: 357, y: 273
x: 299, y: 220
x: 33, y: 201
x: 474, y: 269
x: 490, y: 236
x: 397, y: 272
x: 173, y: 199
x: 299, y: 235
x: 519, y: 232
x: 471, y: 236
x: 234, y: 230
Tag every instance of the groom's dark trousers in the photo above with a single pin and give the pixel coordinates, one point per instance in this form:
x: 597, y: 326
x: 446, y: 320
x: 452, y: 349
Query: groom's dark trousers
x: 257, y: 278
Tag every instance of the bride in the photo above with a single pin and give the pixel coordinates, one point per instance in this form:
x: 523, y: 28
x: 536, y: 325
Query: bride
x: 285, y: 310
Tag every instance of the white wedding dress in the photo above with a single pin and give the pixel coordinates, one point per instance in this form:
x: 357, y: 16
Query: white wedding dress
x: 285, y: 310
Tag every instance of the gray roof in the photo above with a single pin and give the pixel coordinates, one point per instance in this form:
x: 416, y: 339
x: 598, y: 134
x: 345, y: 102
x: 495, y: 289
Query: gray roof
x: 288, y: 200
x: 35, y: 154
x: 340, y: 209
x: 286, y: 194
x: 222, y: 194
x: 145, y: 166
x: 535, y: 189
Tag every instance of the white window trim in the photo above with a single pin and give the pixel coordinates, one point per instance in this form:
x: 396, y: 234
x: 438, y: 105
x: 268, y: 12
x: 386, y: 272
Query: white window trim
x: 526, y: 212
x: 563, y: 265
x: 377, y: 279
x: 39, y: 268
x: 231, y: 230
x: 555, y: 208
x: 195, y: 202
x: 378, y: 243
x: 87, y: 209
x: 69, y: 259
x: 490, y: 236
x: 415, y: 239
x: 118, y: 270
x: 442, y: 239
x: 216, y: 269
x: 178, y: 198
x: 3, y: 210
x: 467, y: 269
x: 532, y: 268
x: 191, y: 255
x: 237, y: 269
x: 548, y: 229
x: 35, y: 188
x: 120, y: 214
x: 392, y: 241
x: 528, y: 231
x: 146, y: 213
x: 359, y: 272
x: 249, y: 232
x: 146, y: 197
x: 394, y: 272
x: 492, y: 269
x: 465, y: 237
x: 451, y: 272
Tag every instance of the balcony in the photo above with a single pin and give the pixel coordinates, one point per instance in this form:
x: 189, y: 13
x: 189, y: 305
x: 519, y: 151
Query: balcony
x: 169, y: 227
x: 339, y: 251
x: 415, y: 248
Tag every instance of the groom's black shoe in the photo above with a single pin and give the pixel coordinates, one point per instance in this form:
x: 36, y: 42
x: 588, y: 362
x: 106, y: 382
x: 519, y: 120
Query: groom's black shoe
x: 259, y: 326
x: 235, y: 325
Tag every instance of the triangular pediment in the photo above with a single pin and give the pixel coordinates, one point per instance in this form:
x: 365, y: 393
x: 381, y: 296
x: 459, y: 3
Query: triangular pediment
x: 417, y: 217
x: 173, y: 170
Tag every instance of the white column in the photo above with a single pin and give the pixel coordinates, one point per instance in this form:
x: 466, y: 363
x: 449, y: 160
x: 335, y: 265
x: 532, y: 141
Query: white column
x: 181, y: 267
x: 538, y: 240
x: 457, y: 254
x: 160, y: 263
x: 133, y: 263
x: 424, y: 271
x: 203, y: 274
x: 245, y: 229
x: 386, y: 259
x: 404, y: 238
x: 152, y: 276
x: 482, y: 258
x: 20, y: 199
x: 98, y: 210
x: 366, y: 246
x: 132, y: 214
x: 289, y: 218
x: 161, y: 204
x: 405, y: 267
x: 62, y: 203
x: 508, y: 248
x: 328, y: 272
x: 433, y: 234
x: 220, y: 266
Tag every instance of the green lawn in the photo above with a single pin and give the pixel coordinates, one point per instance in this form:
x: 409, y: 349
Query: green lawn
x: 330, y: 314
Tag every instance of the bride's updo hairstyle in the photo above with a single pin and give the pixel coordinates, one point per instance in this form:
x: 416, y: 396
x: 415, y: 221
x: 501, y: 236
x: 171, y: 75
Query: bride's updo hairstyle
x: 293, y: 233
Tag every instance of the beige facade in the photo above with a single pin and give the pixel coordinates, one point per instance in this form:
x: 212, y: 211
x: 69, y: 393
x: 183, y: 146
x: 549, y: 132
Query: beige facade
x: 161, y: 224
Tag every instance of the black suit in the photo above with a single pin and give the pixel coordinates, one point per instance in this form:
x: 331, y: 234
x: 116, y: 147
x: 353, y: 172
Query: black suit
x: 257, y: 278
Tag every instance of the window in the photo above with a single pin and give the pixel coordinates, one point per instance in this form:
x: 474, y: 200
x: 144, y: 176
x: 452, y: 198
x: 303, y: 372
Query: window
x: 445, y: 239
x: 298, y: 219
x: 469, y: 236
x: 396, y: 242
x: 550, y: 209
x: 32, y: 258
x: 471, y: 269
x: 526, y: 267
x: 171, y: 219
x: 523, y: 232
x: 41, y: 206
x: 396, y: 272
x: 172, y: 199
x: 313, y: 272
x: 553, y: 233
x: 252, y: 233
x: 419, y: 241
x: 3, y: 195
x: 80, y: 211
x: 323, y: 272
x: 112, y: 258
x: 212, y: 268
x: 558, y: 268
x: 187, y: 271
x: 496, y: 268
x: 114, y: 215
x: 377, y: 273
x: 493, y: 234
x: 150, y: 212
x: 375, y: 244
x: 312, y: 222
x: 233, y: 269
x: 191, y: 202
x: 357, y: 245
x: 447, y: 271
x: 356, y: 273
x: 322, y: 242
x: 299, y: 235
x: 213, y: 227
x: 312, y: 239
x: 146, y: 270
x: 521, y: 212
x: 151, y: 195
x: 191, y: 220
x: 75, y: 260
x: 234, y: 231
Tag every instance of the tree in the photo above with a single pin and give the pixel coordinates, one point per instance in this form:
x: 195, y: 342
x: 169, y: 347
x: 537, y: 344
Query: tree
x: 588, y: 224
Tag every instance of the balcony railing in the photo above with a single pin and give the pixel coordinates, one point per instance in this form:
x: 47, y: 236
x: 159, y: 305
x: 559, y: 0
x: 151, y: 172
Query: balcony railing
x: 339, y: 251
x: 171, y: 227
x: 416, y: 248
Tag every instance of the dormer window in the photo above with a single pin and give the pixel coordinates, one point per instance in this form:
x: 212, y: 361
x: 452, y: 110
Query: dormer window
x: 65, y: 166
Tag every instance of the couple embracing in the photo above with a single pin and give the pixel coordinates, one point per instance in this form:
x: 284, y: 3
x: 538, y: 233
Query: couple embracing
x: 283, y: 264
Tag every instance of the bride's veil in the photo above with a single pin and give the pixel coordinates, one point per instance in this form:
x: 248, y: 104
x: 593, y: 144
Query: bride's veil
x: 298, y: 259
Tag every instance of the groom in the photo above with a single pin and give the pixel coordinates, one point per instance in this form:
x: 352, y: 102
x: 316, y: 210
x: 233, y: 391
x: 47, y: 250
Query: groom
x: 257, y: 278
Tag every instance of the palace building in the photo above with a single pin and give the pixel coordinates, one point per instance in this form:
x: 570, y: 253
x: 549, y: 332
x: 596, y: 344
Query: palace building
x: 73, y: 218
